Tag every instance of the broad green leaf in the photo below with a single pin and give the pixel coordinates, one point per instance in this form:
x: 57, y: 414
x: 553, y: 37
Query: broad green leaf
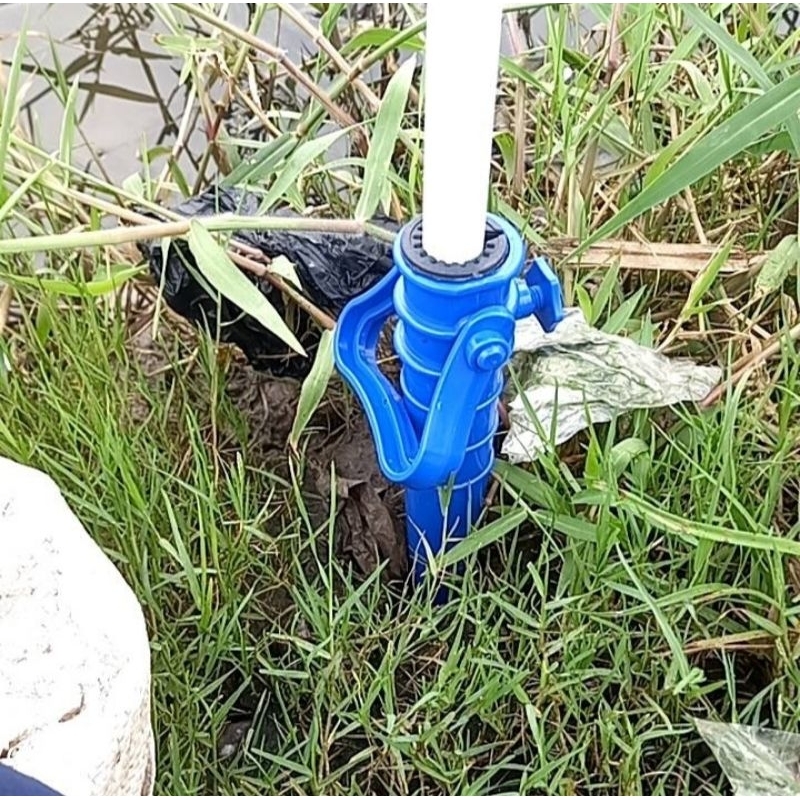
x: 530, y: 486
x: 622, y: 453
x: 621, y: 318
x: 505, y: 143
x: 584, y: 301
x: 743, y: 57
x: 134, y: 185
x: 670, y: 523
x: 575, y: 527
x: 375, y: 37
x: 295, y: 164
x: 328, y: 20
x: 10, y: 101
x: 158, y: 151
x: 384, y: 139
x: 314, y: 387
x: 283, y: 267
x: 44, y: 322
x: 189, y: 45
x: 778, y: 264
x: 719, y: 145
x: 218, y: 269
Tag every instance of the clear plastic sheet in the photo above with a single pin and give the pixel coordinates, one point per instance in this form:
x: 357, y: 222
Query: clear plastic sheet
x: 758, y: 762
x: 578, y: 375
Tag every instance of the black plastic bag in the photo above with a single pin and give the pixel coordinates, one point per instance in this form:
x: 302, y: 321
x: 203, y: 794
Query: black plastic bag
x: 332, y: 269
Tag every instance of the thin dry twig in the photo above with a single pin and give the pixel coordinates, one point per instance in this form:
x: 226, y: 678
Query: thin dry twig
x: 280, y: 56
x: 262, y: 271
x: 746, y: 365
x: 180, y: 227
x: 5, y: 305
x: 651, y: 256
x: 257, y: 111
x: 247, y: 257
x: 614, y: 48
x: 517, y: 48
x: 333, y: 54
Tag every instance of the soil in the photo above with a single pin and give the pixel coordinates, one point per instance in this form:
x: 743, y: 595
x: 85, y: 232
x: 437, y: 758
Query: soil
x: 368, y: 528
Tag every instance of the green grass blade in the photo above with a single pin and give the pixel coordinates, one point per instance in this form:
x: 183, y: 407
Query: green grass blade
x: 384, y: 138
x: 671, y: 523
x: 704, y: 281
x: 675, y: 644
x: 296, y: 163
x: 225, y: 277
x: 263, y: 162
x: 744, y: 58
x: 19, y: 192
x: 97, y: 287
x: 684, y: 139
x: 684, y: 48
x: 603, y: 295
x: 777, y: 266
x: 483, y: 537
x: 724, y: 142
x: 11, y: 97
x: 375, y: 37
x: 68, y: 123
x: 314, y: 387
x: 330, y: 18
x: 180, y: 554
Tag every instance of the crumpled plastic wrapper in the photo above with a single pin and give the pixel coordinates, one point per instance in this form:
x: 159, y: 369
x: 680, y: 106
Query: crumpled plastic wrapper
x: 759, y: 762
x: 582, y: 376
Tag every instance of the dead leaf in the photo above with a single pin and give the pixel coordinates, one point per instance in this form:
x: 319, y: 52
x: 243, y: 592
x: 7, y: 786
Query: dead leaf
x: 368, y: 528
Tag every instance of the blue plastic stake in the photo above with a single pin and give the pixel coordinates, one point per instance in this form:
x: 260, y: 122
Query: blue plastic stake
x: 454, y: 337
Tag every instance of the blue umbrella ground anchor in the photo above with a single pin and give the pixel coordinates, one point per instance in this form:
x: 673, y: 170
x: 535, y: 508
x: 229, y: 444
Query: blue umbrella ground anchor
x: 454, y: 337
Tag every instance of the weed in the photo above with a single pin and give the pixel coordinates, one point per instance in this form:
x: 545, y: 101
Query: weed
x: 642, y: 575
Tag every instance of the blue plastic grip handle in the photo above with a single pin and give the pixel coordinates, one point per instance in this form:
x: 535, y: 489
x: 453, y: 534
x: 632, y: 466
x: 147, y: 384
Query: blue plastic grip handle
x: 428, y: 459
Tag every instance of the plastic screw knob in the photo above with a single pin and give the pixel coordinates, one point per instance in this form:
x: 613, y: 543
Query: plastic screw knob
x: 487, y: 352
x: 544, y: 298
x: 492, y: 357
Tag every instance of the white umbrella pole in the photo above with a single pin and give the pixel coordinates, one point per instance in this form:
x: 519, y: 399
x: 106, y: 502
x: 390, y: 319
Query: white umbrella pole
x: 462, y: 52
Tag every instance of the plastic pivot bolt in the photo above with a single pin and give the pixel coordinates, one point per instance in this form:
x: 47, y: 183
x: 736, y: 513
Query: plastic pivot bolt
x: 540, y: 295
x: 454, y: 337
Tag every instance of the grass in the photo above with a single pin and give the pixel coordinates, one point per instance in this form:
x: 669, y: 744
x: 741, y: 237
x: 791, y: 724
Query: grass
x: 634, y: 590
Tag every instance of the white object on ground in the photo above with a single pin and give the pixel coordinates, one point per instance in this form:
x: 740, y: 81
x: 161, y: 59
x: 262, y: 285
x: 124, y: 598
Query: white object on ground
x: 582, y: 376
x: 462, y: 53
x: 74, y: 653
x: 759, y: 762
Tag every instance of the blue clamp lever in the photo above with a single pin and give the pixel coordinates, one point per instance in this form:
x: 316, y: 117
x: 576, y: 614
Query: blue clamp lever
x: 454, y: 336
